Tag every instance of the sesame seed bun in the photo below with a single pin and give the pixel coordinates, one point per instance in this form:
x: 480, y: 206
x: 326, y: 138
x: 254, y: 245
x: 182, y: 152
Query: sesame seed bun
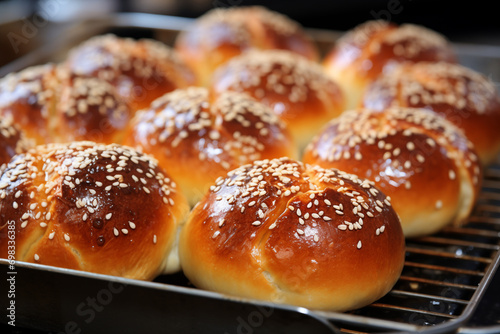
x: 198, y: 138
x: 223, y: 33
x: 464, y: 97
x: 89, y: 109
x: 422, y: 161
x: 282, y: 231
x: 141, y: 70
x: 373, y: 47
x: 12, y: 141
x: 82, y: 206
x: 295, y: 88
x: 50, y: 105
x: 28, y: 99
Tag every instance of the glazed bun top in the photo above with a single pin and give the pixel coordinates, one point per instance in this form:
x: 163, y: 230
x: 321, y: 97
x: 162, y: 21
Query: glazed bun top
x: 28, y: 98
x: 51, y: 105
x: 88, y: 109
x: 464, y: 97
x: 141, y: 70
x: 292, y: 233
x: 296, y: 89
x: 101, y: 208
x: 373, y: 45
x: 12, y: 141
x: 423, y: 162
x: 189, y: 129
x: 224, y: 33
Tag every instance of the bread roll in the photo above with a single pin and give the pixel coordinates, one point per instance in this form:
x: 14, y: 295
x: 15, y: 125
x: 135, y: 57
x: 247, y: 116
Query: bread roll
x: 464, y: 97
x: 297, y: 89
x: 282, y: 231
x: 373, y: 47
x: 101, y: 208
x: 51, y: 105
x: 140, y: 70
x: 27, y: 98
x: 422, y: 161
x: 12, y: 141
x: 198, y: 138
x: 89, y: 109
x: 223, y: 33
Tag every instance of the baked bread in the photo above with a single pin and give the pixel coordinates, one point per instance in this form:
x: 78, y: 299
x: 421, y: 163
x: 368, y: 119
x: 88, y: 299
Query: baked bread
x: 50, y: 105
x: 464, y: 97
x: 282, y: 231
x: 12, y: 141
x: 198, y: 138
x: 27, y: 99
x: 374, y: 47
x: 101, y: 208
x: 140, y: 70
x: 223, y: 33
x: 419, y: 159
x: 297, y: 89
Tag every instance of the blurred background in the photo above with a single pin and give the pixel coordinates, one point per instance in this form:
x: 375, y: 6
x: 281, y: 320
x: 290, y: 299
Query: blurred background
x: 461, y: 21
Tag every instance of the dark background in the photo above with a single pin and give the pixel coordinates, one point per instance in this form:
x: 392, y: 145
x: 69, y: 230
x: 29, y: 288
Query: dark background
x: 472, y: 21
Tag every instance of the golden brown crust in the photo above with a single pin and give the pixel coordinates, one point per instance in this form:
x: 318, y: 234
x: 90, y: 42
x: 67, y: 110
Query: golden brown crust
x: 286, y: 232
x: 28, y: 98
x: 297, y: 89
x: 89, y: 109
x: 141, y: 70
x: 188, y: 128
x: 423, y: 162
x: 224, y: 33
x: 81, y: 206
x: 464, y: 97
x: 364, y: 52
x: 12, y: 141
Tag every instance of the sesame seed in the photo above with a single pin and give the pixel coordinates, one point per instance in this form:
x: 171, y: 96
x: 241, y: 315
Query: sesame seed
x: 272, y: 226
x: 66, y: 237
x: 37, y: 258
x: 342, y: 227
x: 256, y: 223
x: 154, y: 239
x: 299, y: 231
x: 359, y: 244
x: 24, y: 224
x: 116, y: 232
x: 124, y: 231
x: 51, y: 235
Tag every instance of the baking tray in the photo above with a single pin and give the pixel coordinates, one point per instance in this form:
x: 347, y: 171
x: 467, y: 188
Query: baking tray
x: 445, y: 279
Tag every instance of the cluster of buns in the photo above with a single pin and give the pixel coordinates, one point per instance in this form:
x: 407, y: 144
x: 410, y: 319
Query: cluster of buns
x: 298, y: 177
